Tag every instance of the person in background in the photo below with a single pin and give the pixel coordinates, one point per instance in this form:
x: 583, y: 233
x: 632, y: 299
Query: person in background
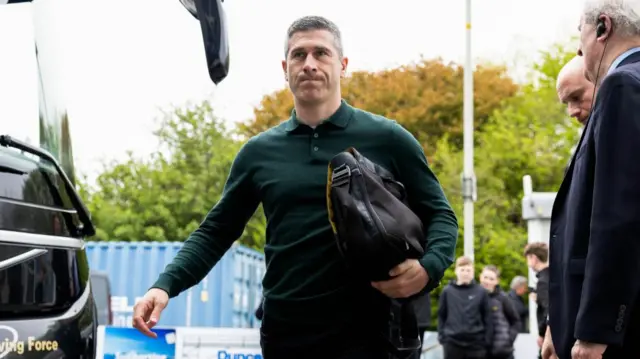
x: 537, y: 255
x: 314, y: 306
x: 574, y: 90
x: 594, y: 289
x: 465, y: 325
x: 519, y: 288
x: 505, y: 318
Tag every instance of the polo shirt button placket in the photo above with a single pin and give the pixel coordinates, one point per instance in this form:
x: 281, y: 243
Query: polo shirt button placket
x: 314, y: 143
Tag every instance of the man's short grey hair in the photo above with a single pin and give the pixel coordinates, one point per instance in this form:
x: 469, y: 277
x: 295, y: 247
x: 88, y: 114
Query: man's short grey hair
x: 518, y: 281
x: 310, y: 23
x: 624, y: 14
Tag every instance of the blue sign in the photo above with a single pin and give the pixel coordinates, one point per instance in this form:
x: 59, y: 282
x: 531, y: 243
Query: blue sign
x: 128, y: 343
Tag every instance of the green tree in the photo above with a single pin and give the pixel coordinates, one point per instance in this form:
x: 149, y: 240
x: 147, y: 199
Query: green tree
x: 165, y: 197
x: 530, y: 135
x: 426, y: 98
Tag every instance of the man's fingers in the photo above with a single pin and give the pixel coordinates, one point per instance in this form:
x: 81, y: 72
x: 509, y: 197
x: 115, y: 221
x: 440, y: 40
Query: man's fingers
x: 400, y: 268
x: 392, y: 287
x: 140, y: 317
x: 155, y: 316
x: 139, y: 314
x: 402, y: 284
x: 142, y: 326
x: 388, y: 285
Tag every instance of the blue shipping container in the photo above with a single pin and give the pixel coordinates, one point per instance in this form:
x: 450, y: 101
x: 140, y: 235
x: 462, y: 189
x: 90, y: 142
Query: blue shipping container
x: 227, y: 297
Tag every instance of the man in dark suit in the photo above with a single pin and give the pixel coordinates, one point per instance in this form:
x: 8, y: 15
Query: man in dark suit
x: 594, y: 267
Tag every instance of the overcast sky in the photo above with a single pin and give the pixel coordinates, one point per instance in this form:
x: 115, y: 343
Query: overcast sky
x: 120, y: 62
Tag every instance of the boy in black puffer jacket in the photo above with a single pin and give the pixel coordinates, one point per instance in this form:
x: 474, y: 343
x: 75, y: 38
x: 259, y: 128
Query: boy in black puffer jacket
x: 506, y: 320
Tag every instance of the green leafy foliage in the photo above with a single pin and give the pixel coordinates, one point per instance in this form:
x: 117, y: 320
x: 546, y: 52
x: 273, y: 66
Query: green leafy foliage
x: 426, y: 98
x: 529, y: 135
x: 165, y: 197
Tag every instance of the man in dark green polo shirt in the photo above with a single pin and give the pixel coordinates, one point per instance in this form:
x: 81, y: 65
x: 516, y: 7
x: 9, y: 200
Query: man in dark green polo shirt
x: 313, y: 307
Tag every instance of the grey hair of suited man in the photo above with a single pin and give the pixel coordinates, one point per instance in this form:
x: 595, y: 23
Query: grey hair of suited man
x: 310, y: 23
x: 518, y: 281
x: 624, y: 14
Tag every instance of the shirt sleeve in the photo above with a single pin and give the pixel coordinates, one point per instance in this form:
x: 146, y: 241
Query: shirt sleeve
x: 223, y: 225
x: 428, y: 201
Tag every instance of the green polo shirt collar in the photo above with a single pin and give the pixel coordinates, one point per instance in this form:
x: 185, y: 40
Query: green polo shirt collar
x: 340, y: 118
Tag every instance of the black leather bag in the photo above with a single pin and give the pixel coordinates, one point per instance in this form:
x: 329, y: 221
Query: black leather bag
x: 375, y: 231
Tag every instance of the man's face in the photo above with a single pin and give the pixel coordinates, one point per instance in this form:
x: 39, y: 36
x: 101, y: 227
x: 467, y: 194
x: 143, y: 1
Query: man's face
x: 313, y: 66
x: 464, y: 274
x: 577, y: 94
x: 591, y: 49
x: 489, y: 280
x: 521, y: 290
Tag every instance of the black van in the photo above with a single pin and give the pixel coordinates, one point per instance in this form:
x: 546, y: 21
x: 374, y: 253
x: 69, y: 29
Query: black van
x: 46, y: 304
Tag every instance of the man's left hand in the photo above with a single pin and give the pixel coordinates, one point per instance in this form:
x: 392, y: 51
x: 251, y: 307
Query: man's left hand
x: 409, y: 278
x: 584, y: 350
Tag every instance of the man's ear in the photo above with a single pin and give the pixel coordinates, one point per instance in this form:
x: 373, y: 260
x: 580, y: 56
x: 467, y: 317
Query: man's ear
x: 606, y: 20
x: 284, y: 69
x: 344, y: 62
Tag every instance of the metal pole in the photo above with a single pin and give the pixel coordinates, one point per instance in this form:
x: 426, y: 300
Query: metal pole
x: 188, y: 307
x: 468, y: 179
x: 533, y: 233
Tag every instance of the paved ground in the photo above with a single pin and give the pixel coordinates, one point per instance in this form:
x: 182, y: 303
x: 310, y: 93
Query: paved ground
x: 526, y: 347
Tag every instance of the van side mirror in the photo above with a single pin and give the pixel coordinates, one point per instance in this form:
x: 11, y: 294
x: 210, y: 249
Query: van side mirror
x: 213, y: 24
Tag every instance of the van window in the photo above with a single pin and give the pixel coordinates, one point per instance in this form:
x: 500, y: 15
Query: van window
x: 33, y: 197
x: 23, y: 179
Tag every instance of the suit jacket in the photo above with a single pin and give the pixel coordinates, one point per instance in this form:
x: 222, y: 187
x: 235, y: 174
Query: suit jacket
x: 595, y: 227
